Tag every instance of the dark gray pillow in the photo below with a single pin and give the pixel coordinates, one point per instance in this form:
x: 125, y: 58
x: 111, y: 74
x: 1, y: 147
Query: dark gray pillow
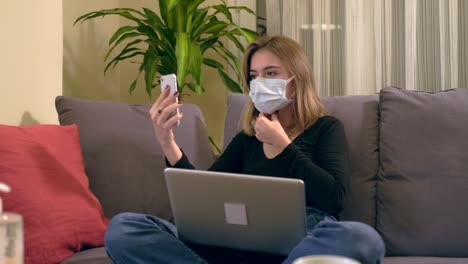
x: 122, y: 158
x: 423, y: 177
x: 359, y: 115
x: 232, y: 124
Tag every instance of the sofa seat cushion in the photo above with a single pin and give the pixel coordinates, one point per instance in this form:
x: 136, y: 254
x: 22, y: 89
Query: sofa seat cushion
x: 423, y: 176
x: 424, y: 260
x: 90, y: 256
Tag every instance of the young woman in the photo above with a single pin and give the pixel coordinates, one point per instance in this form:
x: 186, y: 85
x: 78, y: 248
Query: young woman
x: 285, y: 132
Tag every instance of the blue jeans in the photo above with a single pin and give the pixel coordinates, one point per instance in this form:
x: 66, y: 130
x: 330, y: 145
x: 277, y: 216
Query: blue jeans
x: 139, y: 238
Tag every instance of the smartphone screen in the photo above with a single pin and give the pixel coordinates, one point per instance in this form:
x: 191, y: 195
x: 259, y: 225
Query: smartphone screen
x: 171, y: 81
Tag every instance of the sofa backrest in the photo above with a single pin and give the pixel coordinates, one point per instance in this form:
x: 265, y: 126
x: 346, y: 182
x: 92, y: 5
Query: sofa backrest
x: 359, y: 115
x: 422, y: 192
x: 122, y: 158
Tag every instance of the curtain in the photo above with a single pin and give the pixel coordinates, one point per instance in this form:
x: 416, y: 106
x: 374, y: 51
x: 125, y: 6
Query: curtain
x: 360, y: 46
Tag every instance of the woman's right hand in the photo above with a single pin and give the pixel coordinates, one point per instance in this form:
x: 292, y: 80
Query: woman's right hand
x: 163, y: 122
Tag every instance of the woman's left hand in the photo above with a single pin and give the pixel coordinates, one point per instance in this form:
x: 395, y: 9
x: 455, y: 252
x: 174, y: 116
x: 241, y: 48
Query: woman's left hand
x: 269, y: 131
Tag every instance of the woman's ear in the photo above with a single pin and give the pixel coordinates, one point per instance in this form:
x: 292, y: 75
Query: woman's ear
x: 291, y: 89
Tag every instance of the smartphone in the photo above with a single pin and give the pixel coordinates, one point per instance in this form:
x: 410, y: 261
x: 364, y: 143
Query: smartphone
x: 170, y: 80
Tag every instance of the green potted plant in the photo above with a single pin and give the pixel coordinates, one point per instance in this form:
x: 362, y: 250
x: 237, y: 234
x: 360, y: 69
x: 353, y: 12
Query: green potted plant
x: 177, y: 41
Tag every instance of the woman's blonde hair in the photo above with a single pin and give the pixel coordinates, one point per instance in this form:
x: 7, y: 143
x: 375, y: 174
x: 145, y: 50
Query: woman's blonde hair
x: 307, y: 105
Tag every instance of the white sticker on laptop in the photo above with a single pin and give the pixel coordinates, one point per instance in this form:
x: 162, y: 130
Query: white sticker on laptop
x: 236, y: 213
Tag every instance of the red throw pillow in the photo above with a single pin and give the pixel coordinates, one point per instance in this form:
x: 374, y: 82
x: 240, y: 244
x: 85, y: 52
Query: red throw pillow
x: 44, y: 167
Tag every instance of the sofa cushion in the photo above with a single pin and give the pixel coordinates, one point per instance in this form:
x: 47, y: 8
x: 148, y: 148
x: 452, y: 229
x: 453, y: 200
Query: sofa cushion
x: 232, y: 125
x: 123, y: 160
x: 43, y: 165
x: 424, y: 260
x: 90, y: 256
x: 423, y: 177
x: 359, y: 115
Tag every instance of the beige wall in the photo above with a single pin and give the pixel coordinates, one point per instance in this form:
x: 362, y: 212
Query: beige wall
x: 84, y: 47
x: 31, y: 63
x: 44, y: 55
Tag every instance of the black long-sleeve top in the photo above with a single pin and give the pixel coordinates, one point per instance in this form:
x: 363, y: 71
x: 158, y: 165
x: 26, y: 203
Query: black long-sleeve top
x: 318, y: 156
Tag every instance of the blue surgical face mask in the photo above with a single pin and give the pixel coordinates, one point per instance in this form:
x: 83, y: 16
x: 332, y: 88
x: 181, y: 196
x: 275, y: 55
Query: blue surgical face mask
x: 269, y: 95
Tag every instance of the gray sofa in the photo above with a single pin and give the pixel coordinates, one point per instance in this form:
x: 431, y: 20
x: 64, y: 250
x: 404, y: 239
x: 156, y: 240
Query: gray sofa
x: 408, y: 152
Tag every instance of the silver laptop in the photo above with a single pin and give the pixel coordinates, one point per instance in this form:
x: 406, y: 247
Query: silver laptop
x: 248, y: 212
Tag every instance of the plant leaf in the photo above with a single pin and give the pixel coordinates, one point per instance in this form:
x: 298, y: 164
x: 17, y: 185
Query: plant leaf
x: 208, y: 43
x: 195, y: 62
x: 248, y: 34
x: 213, y: 63
x: 124, y: 37
x: 176, y: 40
x: 235, y: 41
x: 124, y: 12
x: 164, y: 43
x: 151, y: 64
x: 232, y: 85
x: 121, y: 56
x: 182, y: 55
x: 121, y: 31
x: 166, y: 15
x: 198, y: 19
x: 214, y: 26
x: 153, y: 18
x: 241, y: 8
x: 134, y: 83
x: 197, y: 89
x: 192, y: 6
x: 218, y: 150
x: 148, y: 31
x: 180, y: 11
x: 223, y: 10
x: 171, y: 4
x: 231, y: 59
